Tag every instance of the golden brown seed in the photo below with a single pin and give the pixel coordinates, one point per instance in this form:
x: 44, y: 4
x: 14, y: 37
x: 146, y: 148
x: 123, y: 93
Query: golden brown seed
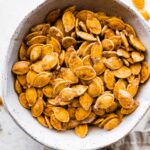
x: 87, y: 50
x: 81, y: 130
x: 68, y: 21
x: 123, y: 53
x: 56, y: 45
x: 59, y: 86
x: 37, y: 108
x: 38, y: 27
x: 49, y: 61
x: 46, y: 49
x: 111, y: 124
x: 145, y: 73
x: 85, y: 72
x: 21, y: 67
x: 123, y: 72
x: 40, y: 39
x: 96, y: 50
x: 79, y: 89
x: 23, y: 52
x: 68, y: 53
x: 67, y: 94
x: 47, y: 119
x: 48, y: 110
x: 55, y: 123
x: 86, y: 36
x: 109, y: 79
x: 120, y: 84
x: 33, y: 34
x: 109, y: 33
x: 125, y: 99
x: 74, y: 61
x: 55, y: 33
x: 116, y: 23
x: 98, y: 121
x: 30, y: 78
x: 104, y: 101
x: 23, y: 101
x: 89, y: 119
x: 68, y: 41
x: 96, y: 87
x: 129, y: 29
x: 108, y: 117
x: 93, y: 24
x: 18, y: 87
x: 86, y: 101
x: 99, y: 67
x: 39, y: 93
x: 108, y: 54
x: 53, y: 15
x: 60, y: 26
x: 42, y: 79
x: 22, y: 80
x: 72, y: 124
x: 116, y: 40
x: 62, y: 57
x: 48, y: 91
x: 113, y: 63
x: 112, y: 108
x: 61, y: 114
x: 36, y: 46
x: 68, y: 74
x: 133, y: 87
x: 99, y: 112
x: 87, y: 60
x: 42, y: 121
x: 82, y: 48
x: 131, y: 110
x: 82, y: 114
x: 136, y: 43
x: 83, y: 26
x: 31, y: 96
x: 35, y: 53
x: 135, y: 68
x: 108, y: 45
x: 71, y: 111
x: 137, y: 57
x: 82, y: 15
x: 124, y: 40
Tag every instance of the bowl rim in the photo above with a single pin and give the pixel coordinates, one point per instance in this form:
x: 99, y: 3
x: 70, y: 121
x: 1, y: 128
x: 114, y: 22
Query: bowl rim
x: 5, y: 69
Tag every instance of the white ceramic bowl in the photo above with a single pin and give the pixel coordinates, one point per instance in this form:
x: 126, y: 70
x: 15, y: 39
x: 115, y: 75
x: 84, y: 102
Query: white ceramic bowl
x: 96, y: 138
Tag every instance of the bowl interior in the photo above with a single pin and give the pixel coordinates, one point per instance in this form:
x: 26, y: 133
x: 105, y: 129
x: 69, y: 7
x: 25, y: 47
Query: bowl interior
x: 68, y: 140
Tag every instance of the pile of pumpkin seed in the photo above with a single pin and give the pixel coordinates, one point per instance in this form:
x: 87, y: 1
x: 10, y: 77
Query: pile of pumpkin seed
x: 80, y: 68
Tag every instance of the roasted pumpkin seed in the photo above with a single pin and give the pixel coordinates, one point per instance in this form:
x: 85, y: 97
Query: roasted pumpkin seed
x: 31, y: 96
x: 37, y: 108
x: 81, y: 130
x: 68, y: 21
x: 21, y: 67
x: 86, y: 101
x: 85, y: 72
x: 61, y: 114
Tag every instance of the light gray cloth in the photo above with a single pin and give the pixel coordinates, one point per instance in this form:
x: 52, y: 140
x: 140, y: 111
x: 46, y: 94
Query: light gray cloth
x: 134, y: 141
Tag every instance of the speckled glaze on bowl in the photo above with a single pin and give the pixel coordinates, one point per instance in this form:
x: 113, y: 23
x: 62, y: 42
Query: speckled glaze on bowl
x: 96, y: 138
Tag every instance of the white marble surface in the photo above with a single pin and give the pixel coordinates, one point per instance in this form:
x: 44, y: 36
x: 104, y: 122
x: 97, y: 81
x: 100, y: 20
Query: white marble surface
x: 11, y: 13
